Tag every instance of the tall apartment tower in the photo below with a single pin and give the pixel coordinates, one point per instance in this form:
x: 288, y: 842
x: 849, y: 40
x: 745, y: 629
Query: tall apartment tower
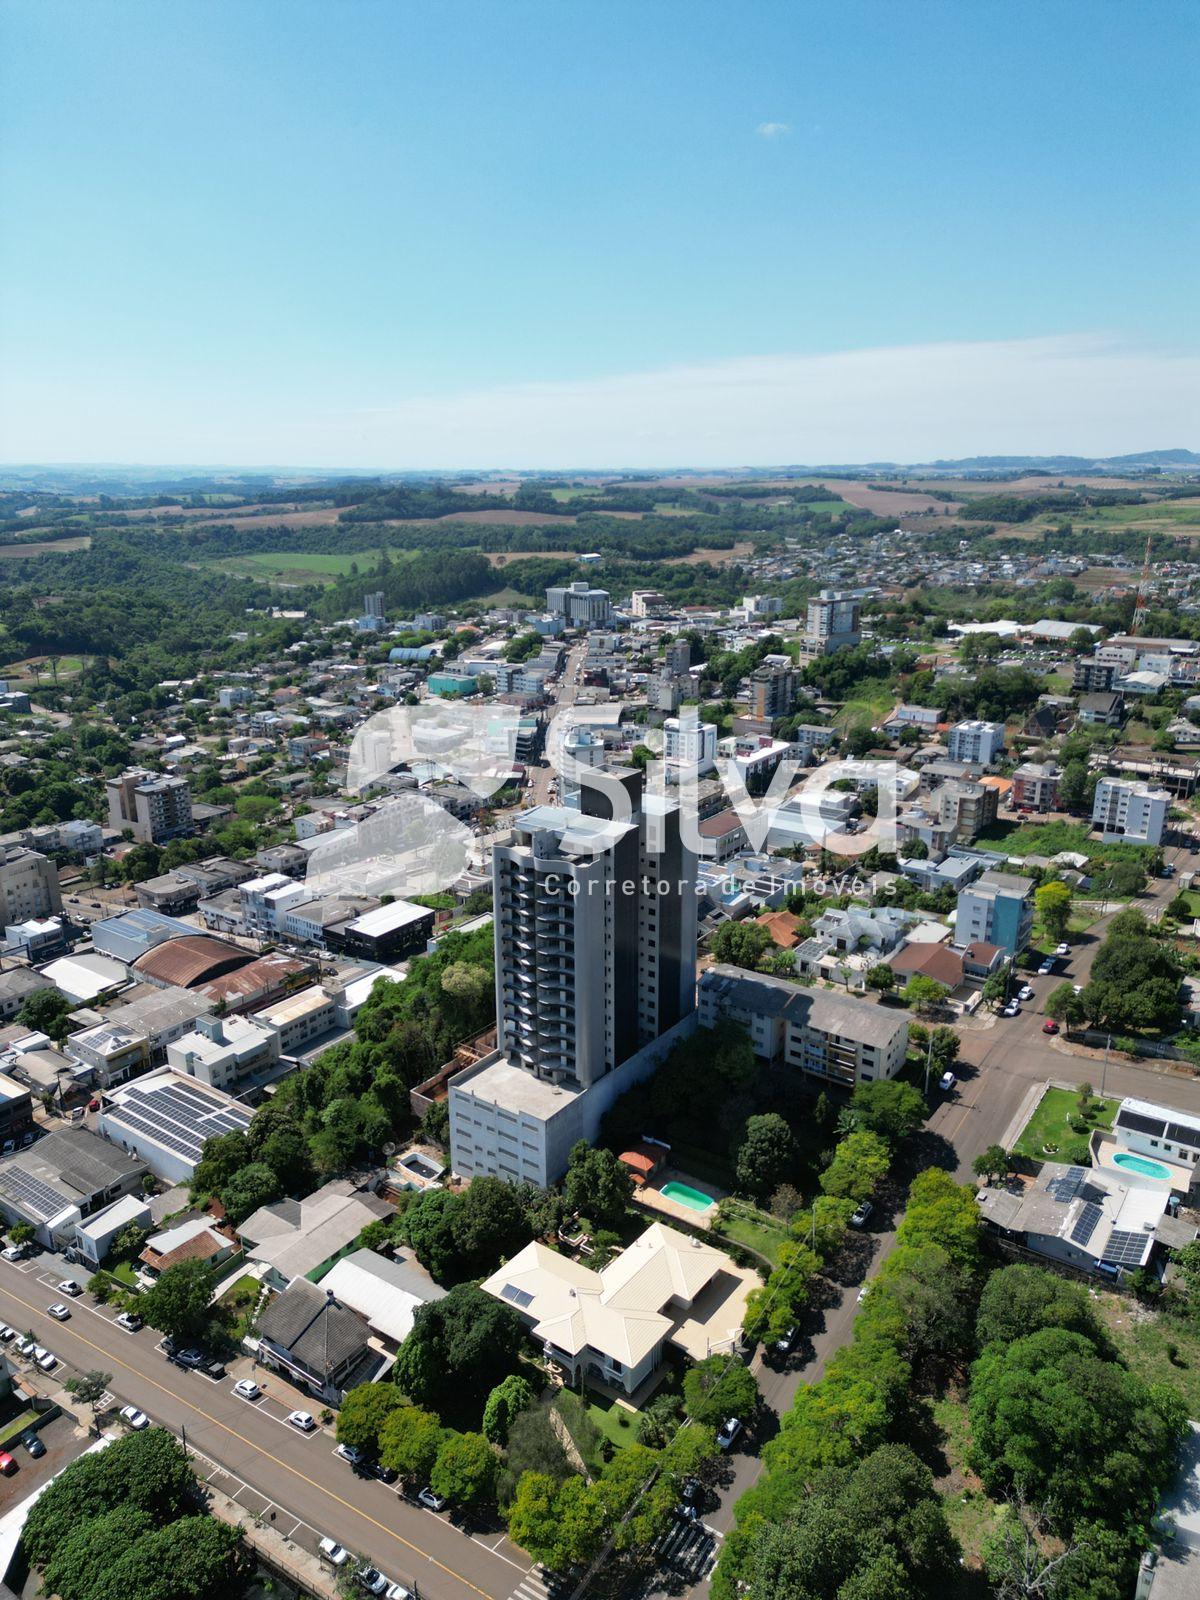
x: 833, y: 621
x: 595, y: 933
x: 155, y: 809
x: 773, y: 692
x: 373, y: 604
x: 28, y: 886
x: 677, y: 657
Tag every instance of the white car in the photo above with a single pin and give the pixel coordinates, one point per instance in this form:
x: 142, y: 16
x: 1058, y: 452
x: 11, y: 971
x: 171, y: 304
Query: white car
x: 130, y: 1321
x: 6, y: 1333
x: 332, y: 1552
x: 1012, y: 1009
x: 58, y: 1311
x: 135, y: 1418
x: 371, y: 1581
x: 304, y: 1420
x: 246, y: 1389
x: 44, y: 1359
x: 69, y: 1287
x: 13, y: 1252
x: 25, y: 1346
x: 728, y: 1432
x: 349, y: 1453
x: 397, y: 1591
x: 1024, y: 992
x: 1062, y: 950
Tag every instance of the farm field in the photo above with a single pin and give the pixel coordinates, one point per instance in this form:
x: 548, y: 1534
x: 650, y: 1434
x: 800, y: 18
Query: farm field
x: 295, y: 566
x: 44, y: 547
x: 719, y: 558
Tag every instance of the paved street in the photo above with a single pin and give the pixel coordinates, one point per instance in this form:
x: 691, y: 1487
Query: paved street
x: 280, y: 1475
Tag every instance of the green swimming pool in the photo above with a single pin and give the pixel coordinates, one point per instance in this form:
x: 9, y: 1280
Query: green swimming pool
x: 691, y: 1198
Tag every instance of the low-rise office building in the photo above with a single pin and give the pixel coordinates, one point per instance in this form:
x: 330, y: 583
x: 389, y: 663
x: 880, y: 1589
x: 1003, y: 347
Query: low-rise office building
x: 164, y: 1118
x: 226, y: 1052
x: 63, y: 1178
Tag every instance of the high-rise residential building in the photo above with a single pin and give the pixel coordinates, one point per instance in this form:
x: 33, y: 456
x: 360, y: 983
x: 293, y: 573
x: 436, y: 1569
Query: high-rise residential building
x: 373, y: 604
x: 976, y: 741
x: 689, y: 743
x: 647, y: 603
x: 28, y: 887
x: 1134, y: 812
x: 760, y: 605
x: 586, y: 749
x: 1035, y: 786
x: 595, y: 917
x: 966, y: 809
x: 579, y: 604
x: 996, y: 909
x: 833, y: 621
x: 773, y: 692
x: 156, y: 809
x: 677, y: 657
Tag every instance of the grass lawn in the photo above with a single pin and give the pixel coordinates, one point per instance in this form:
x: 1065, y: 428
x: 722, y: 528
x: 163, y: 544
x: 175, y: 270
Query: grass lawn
x: 868, y: 709
x: 613, y: 1421
x: 755, y: 1230
x: 297, y: 566
x: 123, y: 1272
x: 244, y: 1291
x: 1050, y: 1123
x: 1143, y: 1338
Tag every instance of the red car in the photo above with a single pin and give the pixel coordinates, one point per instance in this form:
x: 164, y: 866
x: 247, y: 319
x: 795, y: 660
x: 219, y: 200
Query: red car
x: 7, y: 1465
x: 93, y: 1105
x: 1050, y: 1027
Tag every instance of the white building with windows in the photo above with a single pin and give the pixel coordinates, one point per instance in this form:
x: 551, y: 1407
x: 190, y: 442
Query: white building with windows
x: 1135, y: 813
x: 975, y: 741
x: 690, y: 744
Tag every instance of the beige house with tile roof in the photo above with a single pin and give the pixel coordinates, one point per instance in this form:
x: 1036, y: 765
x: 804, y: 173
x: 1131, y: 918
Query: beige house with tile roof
x: 613, y: 1325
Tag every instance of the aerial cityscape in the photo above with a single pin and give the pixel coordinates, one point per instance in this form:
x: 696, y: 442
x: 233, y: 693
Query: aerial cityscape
x: 599, y: 801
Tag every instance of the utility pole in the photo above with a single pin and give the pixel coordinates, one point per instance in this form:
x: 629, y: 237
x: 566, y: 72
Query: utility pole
x: 928, y: 1062
x: 1104, y: 1068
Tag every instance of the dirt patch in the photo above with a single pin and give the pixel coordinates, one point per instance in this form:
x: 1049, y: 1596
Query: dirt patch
x: 522, y: 519
x: 719, y: 558
x: 35, y: 547
x: 893, y: 502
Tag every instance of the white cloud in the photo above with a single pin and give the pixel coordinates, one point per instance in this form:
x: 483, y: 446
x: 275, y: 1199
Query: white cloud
x: 773, y: 130
x: 1080, y: 395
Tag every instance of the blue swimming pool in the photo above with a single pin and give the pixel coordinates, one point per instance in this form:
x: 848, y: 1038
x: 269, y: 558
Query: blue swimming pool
x: 1142, y: 1164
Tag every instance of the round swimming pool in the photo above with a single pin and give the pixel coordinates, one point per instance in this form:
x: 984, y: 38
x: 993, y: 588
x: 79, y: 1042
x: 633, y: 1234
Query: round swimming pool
x: 691, y: 1198
x: 1142, y: 1164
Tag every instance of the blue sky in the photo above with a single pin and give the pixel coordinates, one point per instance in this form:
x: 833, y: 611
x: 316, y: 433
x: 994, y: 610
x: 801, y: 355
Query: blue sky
x: 375, y: 233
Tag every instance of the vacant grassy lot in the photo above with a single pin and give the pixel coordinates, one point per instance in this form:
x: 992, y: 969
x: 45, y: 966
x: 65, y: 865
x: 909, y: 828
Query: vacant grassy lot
x: 1050, y: 1124
x: 24, y: 669
x: 1146, y: 1341
x: 866, y: 710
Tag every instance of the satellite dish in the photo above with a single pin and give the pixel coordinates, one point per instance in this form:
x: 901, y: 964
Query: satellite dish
x: 389, y: 1149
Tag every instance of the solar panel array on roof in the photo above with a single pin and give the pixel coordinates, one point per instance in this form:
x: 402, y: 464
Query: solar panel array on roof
x: 1155, y: 1127
x: 519, y: 1297
x: 1086, y: 1223
x: 1125, y: 1249
x: 1066, y: 1187
x: 30, y: 1192
x: 1182, y: 1134
x: 179, y: 1117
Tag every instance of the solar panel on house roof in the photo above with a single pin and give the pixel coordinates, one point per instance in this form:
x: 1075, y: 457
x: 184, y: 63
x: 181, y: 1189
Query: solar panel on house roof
x: 1182, y: 1134
x: 519, y: 1297
x: 1155, y: 1127
x: 1085, y: 1223
x: 1066, y: 1187
x: 1125, y: 1249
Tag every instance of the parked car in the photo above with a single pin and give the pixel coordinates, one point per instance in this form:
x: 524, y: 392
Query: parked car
x: 6, y: 1333
x: 69, y: 1287
x: 45, y: 1359
x: 33, y: 1444
x: 946, y: 1082
x: 304, y: 1420
x: 786, y: 1342
x: 212, y: 1367
x: 1077, y: 988
x: 1046, y: 968
x: 864, y: 1291
x: 130, y: 1321
x: 1062, y: 950
x: 246, y: 1389
x: 691, y: 1490
x: 727, y: 1433
x: 25, y: 1346
x: 8, y: 1464
x: 686, y: 1512
x: 431, y: 1501
x: 93, y: 1104
x: 1012, y: 1009
x: 135, y: 1418
x: 397, y: 1591
x: 14, y: 1252
x: 331, y: 1551
x: 1050, y: 1026
x: 371, y: 1581
x: 350, y: 1453
x: 58, y: 1311
x: 863, y: 1213
x: 1024, y: 992
x: 190, y: 1358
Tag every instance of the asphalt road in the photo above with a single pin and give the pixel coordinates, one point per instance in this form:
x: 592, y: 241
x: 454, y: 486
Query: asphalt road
x: 297, y: 1474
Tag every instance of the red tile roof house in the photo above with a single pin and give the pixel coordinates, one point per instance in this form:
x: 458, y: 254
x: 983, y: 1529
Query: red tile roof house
x: 936, y: 961
x: 980, y: 960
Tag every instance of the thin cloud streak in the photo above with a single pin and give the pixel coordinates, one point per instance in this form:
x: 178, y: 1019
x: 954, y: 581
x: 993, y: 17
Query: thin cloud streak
x: 773, y: 130
x: 1072, y: 394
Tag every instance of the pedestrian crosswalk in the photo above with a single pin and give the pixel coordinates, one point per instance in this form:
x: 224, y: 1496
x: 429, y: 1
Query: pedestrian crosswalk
x: 535, y: 1585
x: 688, y: 1548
